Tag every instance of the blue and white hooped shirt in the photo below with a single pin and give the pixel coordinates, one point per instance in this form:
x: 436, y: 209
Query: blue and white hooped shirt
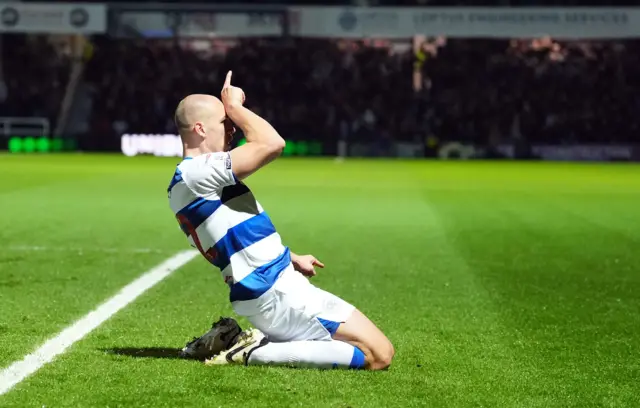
x: 222, y: 219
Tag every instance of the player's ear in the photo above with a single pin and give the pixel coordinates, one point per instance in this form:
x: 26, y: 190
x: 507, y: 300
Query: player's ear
x: 198, y: 127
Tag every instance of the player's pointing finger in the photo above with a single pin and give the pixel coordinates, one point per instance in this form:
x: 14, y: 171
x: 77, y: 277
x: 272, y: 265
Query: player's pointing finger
x: 227, y: 80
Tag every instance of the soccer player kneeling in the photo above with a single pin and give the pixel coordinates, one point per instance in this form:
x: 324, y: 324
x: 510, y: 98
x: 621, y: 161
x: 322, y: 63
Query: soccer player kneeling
x: 296, y: 323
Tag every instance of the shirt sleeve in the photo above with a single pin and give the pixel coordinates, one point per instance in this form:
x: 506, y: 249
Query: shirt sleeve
x: 210, y: 173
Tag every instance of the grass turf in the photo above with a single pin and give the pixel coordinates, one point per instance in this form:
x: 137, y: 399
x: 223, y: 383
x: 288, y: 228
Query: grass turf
x: 500, y: 284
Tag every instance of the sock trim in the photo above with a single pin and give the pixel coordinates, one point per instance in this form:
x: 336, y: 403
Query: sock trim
x: 357, y: 361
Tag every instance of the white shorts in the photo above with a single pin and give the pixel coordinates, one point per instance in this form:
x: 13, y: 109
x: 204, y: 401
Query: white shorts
x: 294, y: 309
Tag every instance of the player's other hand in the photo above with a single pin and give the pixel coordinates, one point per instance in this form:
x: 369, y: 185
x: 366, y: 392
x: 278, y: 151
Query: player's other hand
x: 231, y: 96
x: 305, y: 264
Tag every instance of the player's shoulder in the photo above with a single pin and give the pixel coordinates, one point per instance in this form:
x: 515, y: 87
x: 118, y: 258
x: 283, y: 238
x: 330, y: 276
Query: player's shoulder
x: 209, y: 160
x: 207, y: 173
x: 223, y: 159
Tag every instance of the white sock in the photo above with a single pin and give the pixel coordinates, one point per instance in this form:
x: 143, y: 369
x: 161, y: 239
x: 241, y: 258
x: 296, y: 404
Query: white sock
x: 309, y: 354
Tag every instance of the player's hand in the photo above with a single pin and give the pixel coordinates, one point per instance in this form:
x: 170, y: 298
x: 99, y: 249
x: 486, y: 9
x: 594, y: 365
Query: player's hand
x: 305, y: 264
x: 231, y: 96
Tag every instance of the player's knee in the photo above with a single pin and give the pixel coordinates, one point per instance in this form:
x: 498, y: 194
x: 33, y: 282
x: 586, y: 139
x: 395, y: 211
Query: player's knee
x: 382, y: 357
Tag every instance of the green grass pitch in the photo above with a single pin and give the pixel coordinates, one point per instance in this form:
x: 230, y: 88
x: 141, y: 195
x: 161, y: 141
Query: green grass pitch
x: 500, y: 284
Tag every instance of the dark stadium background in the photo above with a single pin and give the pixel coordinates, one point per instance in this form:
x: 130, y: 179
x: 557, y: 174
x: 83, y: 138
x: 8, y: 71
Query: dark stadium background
x: 413, y: 96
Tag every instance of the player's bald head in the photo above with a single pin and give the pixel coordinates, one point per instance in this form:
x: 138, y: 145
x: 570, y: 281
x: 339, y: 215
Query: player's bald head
x: 203, y: 124
x: 197, y: 108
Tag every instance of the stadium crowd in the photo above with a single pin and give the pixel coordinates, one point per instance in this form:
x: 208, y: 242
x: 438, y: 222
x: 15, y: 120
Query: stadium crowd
x: 475, y: 90
x: 481, y: 91
x: 309, y: 89
x: 544, y: 91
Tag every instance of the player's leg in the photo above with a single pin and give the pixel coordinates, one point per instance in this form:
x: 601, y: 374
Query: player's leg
x: 308, y: 354
x: 253, y: 348
x: 310, y: 313
x: 298, y: 320
x: 358, y: 344
x: 360, y: 332
x: 347, y: 324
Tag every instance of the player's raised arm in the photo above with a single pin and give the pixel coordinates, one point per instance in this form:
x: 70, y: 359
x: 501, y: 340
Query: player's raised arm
x: 264, y: 144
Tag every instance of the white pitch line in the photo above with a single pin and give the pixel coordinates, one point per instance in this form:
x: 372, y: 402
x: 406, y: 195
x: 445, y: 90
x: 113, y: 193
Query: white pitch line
x: 20, y: 370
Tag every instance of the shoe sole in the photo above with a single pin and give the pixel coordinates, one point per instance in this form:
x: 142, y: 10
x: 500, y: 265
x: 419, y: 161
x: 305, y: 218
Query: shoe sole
x: 231, y: 353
